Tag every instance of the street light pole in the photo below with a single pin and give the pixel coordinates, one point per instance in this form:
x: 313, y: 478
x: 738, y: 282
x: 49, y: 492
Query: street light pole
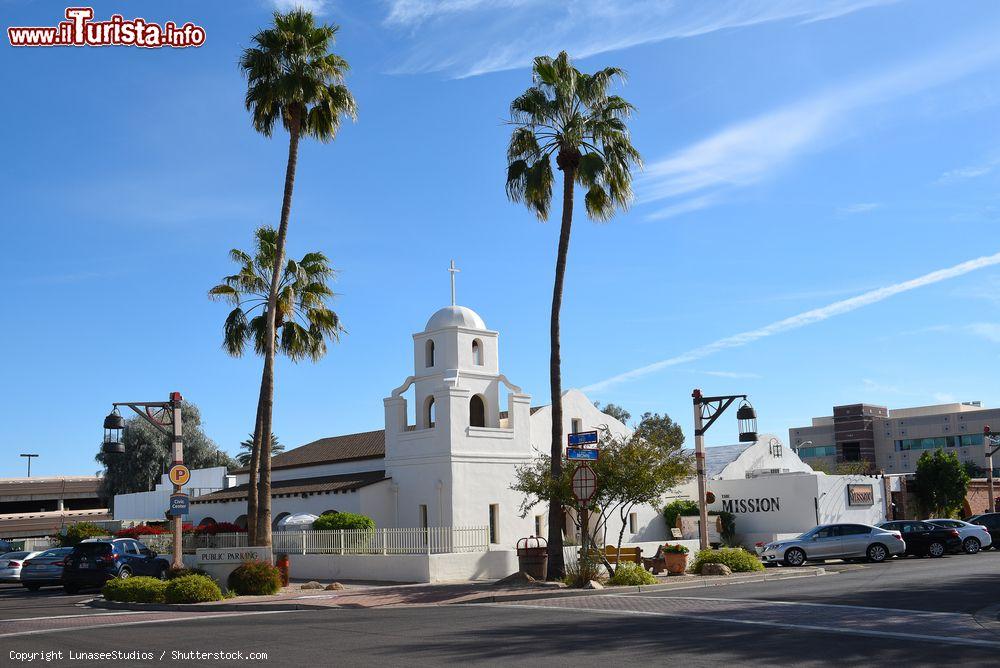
x: 29, y: 458
x: 989, y: 442
x: 160, y: 414
x: 706, y: 411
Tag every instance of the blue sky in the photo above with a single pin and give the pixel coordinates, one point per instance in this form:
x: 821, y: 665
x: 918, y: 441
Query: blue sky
x: 807, y: 172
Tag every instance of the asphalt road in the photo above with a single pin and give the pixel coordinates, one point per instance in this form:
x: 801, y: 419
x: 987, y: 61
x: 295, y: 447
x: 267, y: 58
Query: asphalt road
x: 913, y: 611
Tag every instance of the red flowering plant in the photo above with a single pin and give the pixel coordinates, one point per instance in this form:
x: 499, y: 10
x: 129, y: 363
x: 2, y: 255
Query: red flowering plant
x: 140, y: 530
x: 218, y: 527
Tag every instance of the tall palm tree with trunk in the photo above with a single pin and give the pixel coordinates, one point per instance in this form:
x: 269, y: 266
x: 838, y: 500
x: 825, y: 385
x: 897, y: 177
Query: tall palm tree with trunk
x: 246, y: 450
x: 303, y: 321
x: 568, y: 114
x: 292, y: 77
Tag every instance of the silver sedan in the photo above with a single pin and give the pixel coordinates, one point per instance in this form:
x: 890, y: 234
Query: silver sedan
x: 835, y: 541
x: 974, y: 537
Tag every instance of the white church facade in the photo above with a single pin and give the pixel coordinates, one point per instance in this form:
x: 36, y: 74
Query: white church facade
x: 452, y: 467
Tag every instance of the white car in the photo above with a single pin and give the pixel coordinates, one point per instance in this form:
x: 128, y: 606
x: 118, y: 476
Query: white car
x: 974, y: 536
x: 10, y: 565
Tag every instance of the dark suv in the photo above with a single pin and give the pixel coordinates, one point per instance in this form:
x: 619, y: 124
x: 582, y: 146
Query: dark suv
x: 94, y: 562
x: 992, y: 523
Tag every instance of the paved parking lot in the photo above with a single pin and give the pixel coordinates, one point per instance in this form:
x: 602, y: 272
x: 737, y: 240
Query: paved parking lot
x: 916, y: 611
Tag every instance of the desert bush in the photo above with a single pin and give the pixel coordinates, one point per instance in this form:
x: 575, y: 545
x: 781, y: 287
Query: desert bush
x: 80, y: 531
x: 218, y: 527
x: 141, y: 530
x: 581, y: 571
x: 738, y: 560
x: 630, y: 574
x: 344, y: 521
x: 192, y: 589
x: 254, y: 578
x: 135, y: 590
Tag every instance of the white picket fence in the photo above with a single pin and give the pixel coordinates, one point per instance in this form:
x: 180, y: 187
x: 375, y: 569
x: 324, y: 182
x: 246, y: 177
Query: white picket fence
x: 430, y: 540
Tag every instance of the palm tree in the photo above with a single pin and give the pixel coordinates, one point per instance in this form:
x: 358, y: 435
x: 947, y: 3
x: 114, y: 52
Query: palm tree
x: 291, y: 77
x: 246, y: 447
x: 570, y: 114
x: 302, y: 322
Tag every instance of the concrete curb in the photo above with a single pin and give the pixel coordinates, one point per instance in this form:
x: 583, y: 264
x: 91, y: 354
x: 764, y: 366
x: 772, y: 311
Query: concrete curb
x: 695, y: 582
x: 206, y: 607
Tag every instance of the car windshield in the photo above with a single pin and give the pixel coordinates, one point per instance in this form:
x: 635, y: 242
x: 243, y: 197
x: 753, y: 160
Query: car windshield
x: 57, y: 552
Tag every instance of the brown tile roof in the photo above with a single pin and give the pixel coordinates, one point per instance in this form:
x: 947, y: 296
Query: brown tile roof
x: 347, y: 482
x: 349, y: 447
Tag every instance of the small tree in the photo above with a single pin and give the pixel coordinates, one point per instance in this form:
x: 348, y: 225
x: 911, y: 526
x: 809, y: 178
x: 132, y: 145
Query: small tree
x: 941, y: 483
x: 632, y: 470
x: 615, y: 411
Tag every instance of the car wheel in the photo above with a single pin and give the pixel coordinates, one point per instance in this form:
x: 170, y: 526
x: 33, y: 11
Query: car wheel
x: 936, y: 549
x: 971, y: 545
x: 32, y: 587
x: 124, y: 573
x: 72, y: 590
x: 162, y: 573
x: 794, y: 557
x: 877, y: 553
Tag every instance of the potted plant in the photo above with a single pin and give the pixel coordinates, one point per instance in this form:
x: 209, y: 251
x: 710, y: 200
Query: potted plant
x: 674, y: 558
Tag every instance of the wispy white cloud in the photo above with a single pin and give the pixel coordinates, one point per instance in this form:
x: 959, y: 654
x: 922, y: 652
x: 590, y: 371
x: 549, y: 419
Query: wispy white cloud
x: 985, y: 330
x: 861, y: 207
x: 801, y: 320
x: 728, y: 374
x: 752, y: 150
x: 473, y: 37
x: 968, y: 172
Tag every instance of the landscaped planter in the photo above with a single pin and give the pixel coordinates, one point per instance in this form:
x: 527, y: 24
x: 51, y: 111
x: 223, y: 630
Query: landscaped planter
x: 675, y: 562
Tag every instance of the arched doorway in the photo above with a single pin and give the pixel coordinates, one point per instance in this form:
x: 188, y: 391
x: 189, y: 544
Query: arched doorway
x: 278, y: 518
x: 241, y: 521
x: 477, y: 411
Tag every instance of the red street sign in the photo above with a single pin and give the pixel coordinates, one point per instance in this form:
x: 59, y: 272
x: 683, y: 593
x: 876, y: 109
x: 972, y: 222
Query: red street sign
x: 584, y: 483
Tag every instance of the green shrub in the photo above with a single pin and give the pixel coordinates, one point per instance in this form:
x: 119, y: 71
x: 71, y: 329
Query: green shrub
x: 343, y: 521
x: 135, y: 590
x: 174, y: 573
x: 678, y: 508
x: 630, y: 574
x: 255, y: 578
x: 192, y: 589
x: 676, y: 548
x: 738, y: 560
x: 79, y: 531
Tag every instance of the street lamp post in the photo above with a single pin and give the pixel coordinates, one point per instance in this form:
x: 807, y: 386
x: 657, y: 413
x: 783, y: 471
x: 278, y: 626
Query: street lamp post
x: 992, y: 444
x: 706, y: 411
x: 29, y: 457
x: 165, y: 416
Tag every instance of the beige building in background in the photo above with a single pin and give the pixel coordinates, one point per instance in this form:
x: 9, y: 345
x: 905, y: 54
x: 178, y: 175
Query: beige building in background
x: 892, y: 440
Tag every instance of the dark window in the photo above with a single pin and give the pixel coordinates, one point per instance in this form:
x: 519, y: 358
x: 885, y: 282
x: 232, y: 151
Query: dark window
x: 853, y: 530
x: 429, y: 353
x: 851, y: 452
x: 826, y: 532
x: 477, y: 412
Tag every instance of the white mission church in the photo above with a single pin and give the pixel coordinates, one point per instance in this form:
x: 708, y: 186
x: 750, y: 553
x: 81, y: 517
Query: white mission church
x: 453, y: 468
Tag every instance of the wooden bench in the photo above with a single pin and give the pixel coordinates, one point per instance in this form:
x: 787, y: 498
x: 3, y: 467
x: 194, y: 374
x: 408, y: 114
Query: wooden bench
x: 614, y: 555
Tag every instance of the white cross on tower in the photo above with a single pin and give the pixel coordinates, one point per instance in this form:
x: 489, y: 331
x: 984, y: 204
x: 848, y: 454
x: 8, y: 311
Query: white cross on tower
x: 452, y: 270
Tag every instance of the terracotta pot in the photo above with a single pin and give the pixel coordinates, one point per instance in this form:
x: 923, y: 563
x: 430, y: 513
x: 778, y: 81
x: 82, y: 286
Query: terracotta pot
x: 675, y: 562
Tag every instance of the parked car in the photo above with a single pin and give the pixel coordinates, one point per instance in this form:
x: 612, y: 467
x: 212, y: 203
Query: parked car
x: 94, y: 562
x: 11, y: 563
x: 974, y: 536
x: 44, y: 569
x: 992, y: 523
x: 924, y: 538
x: 835, y: 541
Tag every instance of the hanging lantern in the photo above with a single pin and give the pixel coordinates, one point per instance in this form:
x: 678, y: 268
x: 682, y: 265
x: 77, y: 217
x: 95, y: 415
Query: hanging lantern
x: 114, y: 423
x: 747, y: 418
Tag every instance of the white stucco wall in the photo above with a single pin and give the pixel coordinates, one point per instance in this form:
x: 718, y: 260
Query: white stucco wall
x: 404, y: 568
x: 153, y: 504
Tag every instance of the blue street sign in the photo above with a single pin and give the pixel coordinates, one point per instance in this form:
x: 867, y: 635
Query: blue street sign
x: 583, y: 438
x: 582, y: 454
x: 179, y: 504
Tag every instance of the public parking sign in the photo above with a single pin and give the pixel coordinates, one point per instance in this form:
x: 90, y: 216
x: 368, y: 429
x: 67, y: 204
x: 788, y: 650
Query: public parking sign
x: 179, y: 475
x: 582, y: 454
x: 583, y: 439
x: 180, y: 504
